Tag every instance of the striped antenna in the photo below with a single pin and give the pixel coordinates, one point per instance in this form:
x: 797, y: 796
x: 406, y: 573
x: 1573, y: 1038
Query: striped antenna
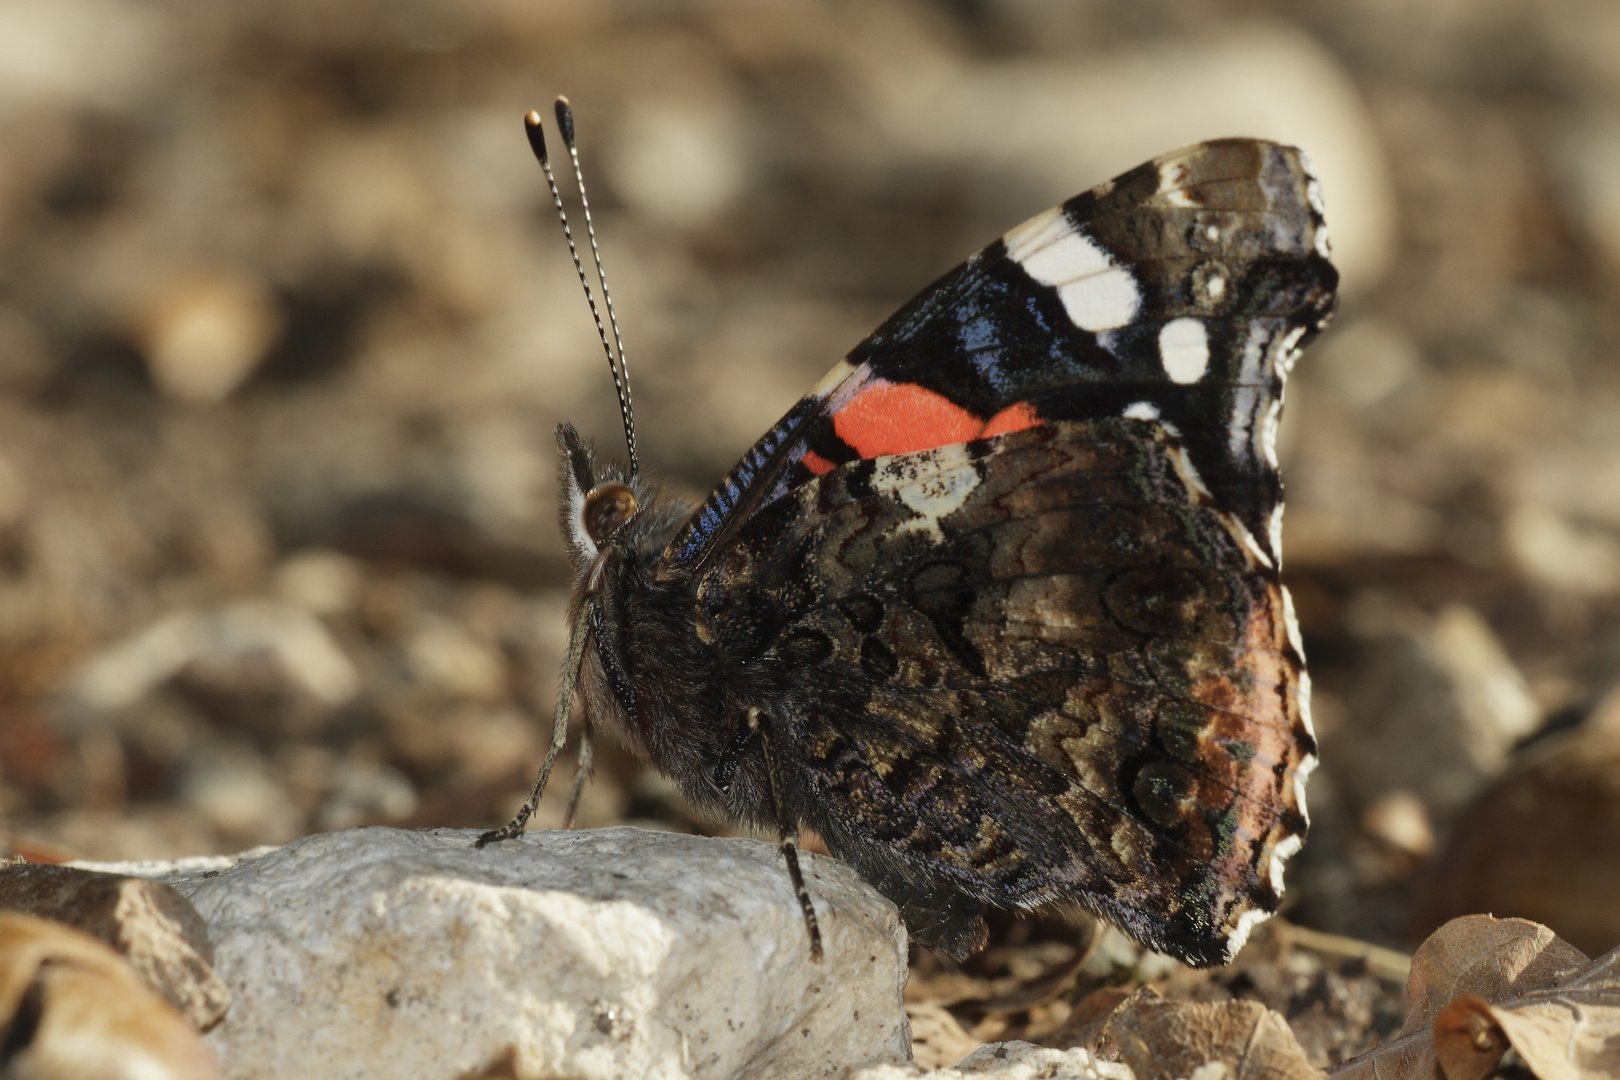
x: 616, y: 365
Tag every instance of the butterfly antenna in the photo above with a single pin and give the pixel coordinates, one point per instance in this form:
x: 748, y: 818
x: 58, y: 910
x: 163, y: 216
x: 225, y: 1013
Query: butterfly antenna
x: 621, y: 374
x: 621, y: 377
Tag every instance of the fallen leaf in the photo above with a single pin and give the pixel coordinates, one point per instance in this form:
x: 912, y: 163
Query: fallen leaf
x: 155, y: 929
x: 1088, y: 1018
x: 1482, y: 985
x: 1541, y: 841
x: 1226, y: 1040
x: 72, y: 1008
x: 1566, y: 1032
x: 1467, y: 1040
x: 1491, y: 958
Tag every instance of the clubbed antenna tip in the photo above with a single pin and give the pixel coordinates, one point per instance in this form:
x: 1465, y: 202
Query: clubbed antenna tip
x: 537, y: 135
x: 615, y: 351
x: 565, y: 120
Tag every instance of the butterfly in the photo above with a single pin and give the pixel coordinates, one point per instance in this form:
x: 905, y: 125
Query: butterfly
x: 995, y: 608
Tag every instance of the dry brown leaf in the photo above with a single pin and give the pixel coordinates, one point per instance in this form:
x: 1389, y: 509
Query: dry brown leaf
x: 1091, y: 1014
x: 1173, y: 1040
x: 1492, y: 958
x: 1566, y: 1032
x: 1467, y: 1041
x: 1481, y: 985
x: 151, y: 925
x: 78, y: 1010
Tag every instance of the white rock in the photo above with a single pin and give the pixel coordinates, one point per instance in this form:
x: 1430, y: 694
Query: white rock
x: 319, y: 580
x: 306, y: 652
x: 607, y: 953
x: 1553, y: 551
x: 1008, y: 1061
x: 92, y: 52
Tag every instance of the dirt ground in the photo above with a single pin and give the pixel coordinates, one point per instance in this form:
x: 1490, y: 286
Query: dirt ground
x: 286, y: 323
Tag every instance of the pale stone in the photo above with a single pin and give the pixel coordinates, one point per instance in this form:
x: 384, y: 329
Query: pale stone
x: 73, y: 1009
x: 606, y: 953
x: 203, y: 332
x: 937, y: 1036
x: 444, y: 656
x: 302, y: 648
x: 1554, y: 552
x: 100, y: 53
x: 1399, y: 819
x: 319, y: 580
x: 150, y: 924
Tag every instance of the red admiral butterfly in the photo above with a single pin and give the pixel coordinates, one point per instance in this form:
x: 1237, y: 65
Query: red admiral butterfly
x: 995, y: 608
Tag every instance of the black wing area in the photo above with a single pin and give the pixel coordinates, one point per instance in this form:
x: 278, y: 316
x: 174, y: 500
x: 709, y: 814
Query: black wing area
x: 1180, y: 291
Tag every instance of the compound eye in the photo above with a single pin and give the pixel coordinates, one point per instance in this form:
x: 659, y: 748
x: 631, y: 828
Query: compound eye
x: 606, y: 508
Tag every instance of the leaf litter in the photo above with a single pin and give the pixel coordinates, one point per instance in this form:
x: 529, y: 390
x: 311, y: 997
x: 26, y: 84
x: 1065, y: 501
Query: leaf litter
x: 1483, y: 997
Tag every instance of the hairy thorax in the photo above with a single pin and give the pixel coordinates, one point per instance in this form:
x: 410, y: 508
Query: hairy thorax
x: 677, y: 696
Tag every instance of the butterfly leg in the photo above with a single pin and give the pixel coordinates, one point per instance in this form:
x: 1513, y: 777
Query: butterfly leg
x: 581, y: 776
x: 559, y: 731
x: 784, y: 829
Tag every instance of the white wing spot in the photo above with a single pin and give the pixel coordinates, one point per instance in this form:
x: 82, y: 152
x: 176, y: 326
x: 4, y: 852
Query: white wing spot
x: 1039, y: 231
x: 1102, y: 302
x: 1068, y: 259
x: 1096, y: 293
x: 1173, y: 175
x: 1212, y: 232
x: 1313, y: 186
x: 1288, y: 351
x: 933, y: 485
x: 1184, y: 350
x: 1197, y: 491
x: 1313, y: 195
x: 1216, y: 287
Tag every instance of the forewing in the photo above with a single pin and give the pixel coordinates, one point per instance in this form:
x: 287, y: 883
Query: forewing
x: 1180, y: 290
x: 1046, y: 666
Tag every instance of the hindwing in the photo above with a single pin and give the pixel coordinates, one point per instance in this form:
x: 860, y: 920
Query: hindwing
x: 1040, y: 667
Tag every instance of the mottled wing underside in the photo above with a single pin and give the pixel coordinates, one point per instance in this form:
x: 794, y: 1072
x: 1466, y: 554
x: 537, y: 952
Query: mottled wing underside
x: 1038, y: 668
x: 1014, y: 564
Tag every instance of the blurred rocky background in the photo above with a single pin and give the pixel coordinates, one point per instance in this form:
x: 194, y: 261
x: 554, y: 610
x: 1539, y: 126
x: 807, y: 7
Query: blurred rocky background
x: 286, y: 322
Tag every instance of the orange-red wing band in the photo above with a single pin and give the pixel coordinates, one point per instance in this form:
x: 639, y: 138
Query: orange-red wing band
x: 901, y: 418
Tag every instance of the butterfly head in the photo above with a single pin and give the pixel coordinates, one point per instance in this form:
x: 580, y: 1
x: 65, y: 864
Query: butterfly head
x: 599, y: 499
